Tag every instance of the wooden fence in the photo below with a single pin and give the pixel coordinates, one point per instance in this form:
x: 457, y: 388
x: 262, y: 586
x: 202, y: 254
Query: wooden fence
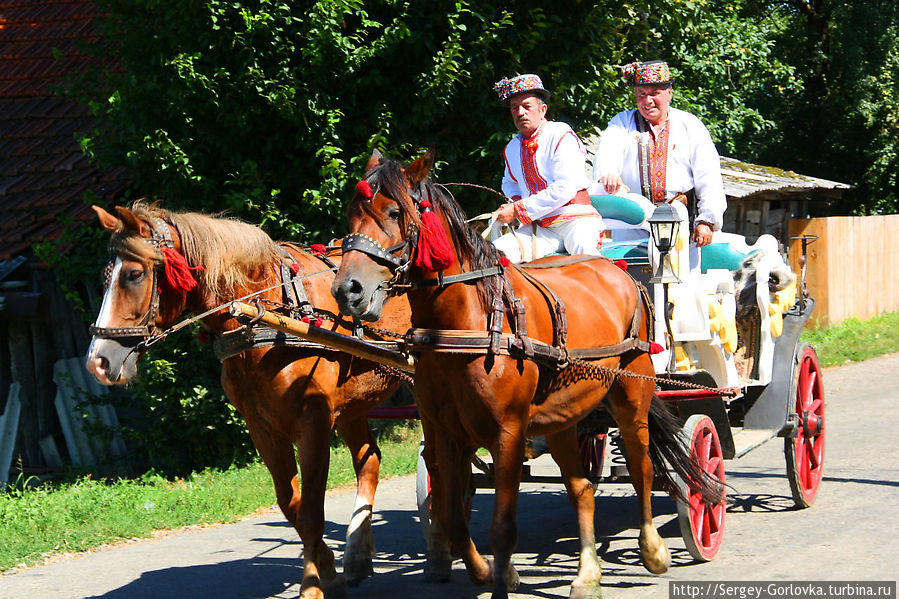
x: 852, y: 267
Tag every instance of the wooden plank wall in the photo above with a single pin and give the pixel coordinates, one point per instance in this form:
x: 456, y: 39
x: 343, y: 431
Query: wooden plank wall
x: 852, y: 267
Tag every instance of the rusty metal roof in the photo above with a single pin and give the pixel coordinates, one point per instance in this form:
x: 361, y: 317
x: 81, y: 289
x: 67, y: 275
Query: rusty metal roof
x: 43, y: 173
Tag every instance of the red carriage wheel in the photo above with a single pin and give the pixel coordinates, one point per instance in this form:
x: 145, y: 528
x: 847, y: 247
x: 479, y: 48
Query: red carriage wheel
x: 701, y: 523
x: 805, y: 451
x: 592, y: 447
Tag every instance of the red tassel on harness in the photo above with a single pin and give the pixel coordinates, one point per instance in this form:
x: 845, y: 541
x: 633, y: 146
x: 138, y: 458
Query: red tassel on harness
x: 177, y: 271
x: 434, y: 250
x: 622, y: 264
x: 655, y: 348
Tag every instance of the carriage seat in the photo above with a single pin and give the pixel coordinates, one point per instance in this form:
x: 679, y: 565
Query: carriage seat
x: 624, y: 217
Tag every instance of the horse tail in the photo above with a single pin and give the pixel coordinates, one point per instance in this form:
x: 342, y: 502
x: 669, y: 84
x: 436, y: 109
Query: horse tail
x: 667, y: 446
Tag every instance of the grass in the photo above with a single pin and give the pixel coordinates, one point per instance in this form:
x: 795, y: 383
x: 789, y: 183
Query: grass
x: 854, y: 340
x: 39, y: 522
x: 51, y: 519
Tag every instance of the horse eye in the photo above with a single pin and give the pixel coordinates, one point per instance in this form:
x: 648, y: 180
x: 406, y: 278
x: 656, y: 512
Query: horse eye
x: 394, y: 214
x: 133, y: 275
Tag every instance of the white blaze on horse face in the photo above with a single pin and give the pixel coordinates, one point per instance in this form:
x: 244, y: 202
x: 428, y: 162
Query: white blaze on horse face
x: 106, y: 307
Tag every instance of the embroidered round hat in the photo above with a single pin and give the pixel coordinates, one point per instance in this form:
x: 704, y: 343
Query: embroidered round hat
x: 520, y: 84
x: 652, y: 72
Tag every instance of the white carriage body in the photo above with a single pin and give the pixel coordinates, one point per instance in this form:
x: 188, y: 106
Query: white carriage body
x: 703, y: 322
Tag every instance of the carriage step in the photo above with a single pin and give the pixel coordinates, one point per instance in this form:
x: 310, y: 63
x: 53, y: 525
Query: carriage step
x: 746, y: 440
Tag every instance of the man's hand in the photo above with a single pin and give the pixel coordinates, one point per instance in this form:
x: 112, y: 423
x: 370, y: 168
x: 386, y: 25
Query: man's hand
x: 612, y: 183
x: 702, y: 234
x: 505, y: 214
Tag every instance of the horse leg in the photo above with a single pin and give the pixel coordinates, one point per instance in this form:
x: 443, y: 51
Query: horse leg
x: 301, y: 510
x: 319, y: 570
x: 508, y: 456
x: 564, y: 450
x: 629, y: 402
x: 439, y: 558
x: 360, y: 542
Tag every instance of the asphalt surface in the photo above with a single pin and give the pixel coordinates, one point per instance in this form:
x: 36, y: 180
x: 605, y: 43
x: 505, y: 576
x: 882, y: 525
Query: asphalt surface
x: 849, y: 534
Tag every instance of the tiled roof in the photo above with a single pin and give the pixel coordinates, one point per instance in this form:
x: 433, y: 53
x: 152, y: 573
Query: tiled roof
x: 43, y: 173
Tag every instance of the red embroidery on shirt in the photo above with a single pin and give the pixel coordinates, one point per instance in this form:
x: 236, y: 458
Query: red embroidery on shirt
x: 532, y: 176
x: 659, y: 162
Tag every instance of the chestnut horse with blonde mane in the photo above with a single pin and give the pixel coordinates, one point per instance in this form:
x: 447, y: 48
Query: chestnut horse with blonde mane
x: 469, y: 399
x: 289, y: 396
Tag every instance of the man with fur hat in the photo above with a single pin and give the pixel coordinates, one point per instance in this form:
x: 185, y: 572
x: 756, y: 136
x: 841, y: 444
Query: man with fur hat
x: 545, y: 180
x: 663, y: 153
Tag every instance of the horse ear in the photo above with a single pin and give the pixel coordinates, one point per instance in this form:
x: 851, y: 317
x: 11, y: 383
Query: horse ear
x: 132, y: 222
x: 107, y: 221
x: 374, y: 160
x: 419, y: 169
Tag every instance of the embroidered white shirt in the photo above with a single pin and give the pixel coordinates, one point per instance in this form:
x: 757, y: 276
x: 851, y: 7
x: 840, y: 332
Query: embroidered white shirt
x: 693, y: 161
x: 547, y: 179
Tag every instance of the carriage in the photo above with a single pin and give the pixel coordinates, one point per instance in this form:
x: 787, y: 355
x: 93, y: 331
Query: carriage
x: 729, y: 317
x: 730, y: 364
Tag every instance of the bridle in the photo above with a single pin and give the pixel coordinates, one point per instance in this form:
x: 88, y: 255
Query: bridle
x: 162, y: 237
x: 398, y: 265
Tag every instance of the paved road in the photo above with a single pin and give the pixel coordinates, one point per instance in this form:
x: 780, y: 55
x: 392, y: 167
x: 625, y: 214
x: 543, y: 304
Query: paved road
x: 848, y: 535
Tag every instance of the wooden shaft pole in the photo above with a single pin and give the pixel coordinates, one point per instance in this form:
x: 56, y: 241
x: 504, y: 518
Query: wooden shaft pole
x: 344, y: 343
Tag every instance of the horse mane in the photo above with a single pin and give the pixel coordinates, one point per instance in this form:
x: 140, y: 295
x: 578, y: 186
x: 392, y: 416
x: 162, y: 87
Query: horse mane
x: 231, y: 252
x: 471, y: 249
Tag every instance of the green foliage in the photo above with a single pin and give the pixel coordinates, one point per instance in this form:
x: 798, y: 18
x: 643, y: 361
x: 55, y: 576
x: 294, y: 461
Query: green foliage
x: 177, y: 415
x: 51, y: 519
x: 853, y: 340
x: 56, y: 518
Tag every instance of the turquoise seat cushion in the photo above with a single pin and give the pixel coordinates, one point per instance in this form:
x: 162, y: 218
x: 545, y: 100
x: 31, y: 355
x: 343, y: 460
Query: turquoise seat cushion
x: 633, y: 253
x: 721, y: 255
x: 619, y: 208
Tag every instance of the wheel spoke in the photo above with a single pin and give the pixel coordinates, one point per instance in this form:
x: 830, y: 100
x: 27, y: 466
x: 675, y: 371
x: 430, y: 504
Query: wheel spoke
x: 816, y: 406
x: 714, y: 465
x: 702, y: 528
x: 812, y: 453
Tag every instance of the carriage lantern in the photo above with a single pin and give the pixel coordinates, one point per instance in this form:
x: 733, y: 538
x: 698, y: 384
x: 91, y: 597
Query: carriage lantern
x: 664, y: 224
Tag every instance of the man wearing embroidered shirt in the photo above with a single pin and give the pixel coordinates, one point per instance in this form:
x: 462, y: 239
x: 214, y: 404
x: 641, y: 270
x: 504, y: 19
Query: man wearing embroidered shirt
x: 545, y: 180
x: 662, y: 152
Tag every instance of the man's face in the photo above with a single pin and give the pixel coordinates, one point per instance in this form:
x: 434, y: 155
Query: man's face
x: 528, y: 112
x: 652, y: 102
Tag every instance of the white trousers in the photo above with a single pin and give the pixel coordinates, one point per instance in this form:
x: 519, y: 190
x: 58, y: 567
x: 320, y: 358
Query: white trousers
x: 580, y: 235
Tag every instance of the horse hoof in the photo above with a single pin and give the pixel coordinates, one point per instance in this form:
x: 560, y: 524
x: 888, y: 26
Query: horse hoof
x: 335, y: 588
x: 357, y: 571
x: 586, y: 591
x: 438, y: 571
x: 659, y: 562
x: 512, y: 579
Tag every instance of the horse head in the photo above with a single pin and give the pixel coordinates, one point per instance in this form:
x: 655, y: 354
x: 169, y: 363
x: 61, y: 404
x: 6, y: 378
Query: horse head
x: 382, y: 215
x: 147, y: 281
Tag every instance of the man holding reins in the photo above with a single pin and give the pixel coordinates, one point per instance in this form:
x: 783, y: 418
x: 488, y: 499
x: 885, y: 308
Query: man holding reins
x: 544, y: 179
x: 663, y: 153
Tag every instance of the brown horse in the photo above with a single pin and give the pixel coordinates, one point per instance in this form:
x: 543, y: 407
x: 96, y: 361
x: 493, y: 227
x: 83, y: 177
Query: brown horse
x: 495, y: 399
x: 289, y: 396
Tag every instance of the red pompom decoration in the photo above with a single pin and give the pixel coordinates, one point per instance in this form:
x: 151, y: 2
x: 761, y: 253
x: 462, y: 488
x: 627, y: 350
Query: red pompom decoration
x: 434, y: 250
x: 504, y: 262
x: 318, y: 322
x: 306, y: 319
x: 294, y: 268
x: 655, y: 348
x: 364, y: 189
x: 203, y: 336
x: 319, y: 248
x: 425, y: 204
x: 177, y: 271
x: 622, y: 264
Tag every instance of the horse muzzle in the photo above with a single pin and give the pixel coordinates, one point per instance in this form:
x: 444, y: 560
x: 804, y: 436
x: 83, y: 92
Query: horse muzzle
x: 111, y: 362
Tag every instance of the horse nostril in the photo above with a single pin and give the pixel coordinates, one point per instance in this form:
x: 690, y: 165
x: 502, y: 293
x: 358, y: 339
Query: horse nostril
x: 355, y: 287
x: 103, y: 363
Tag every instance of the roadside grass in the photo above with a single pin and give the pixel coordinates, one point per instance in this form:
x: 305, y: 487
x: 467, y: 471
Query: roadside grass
x: 854, y: 340
x: 39, y: 522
